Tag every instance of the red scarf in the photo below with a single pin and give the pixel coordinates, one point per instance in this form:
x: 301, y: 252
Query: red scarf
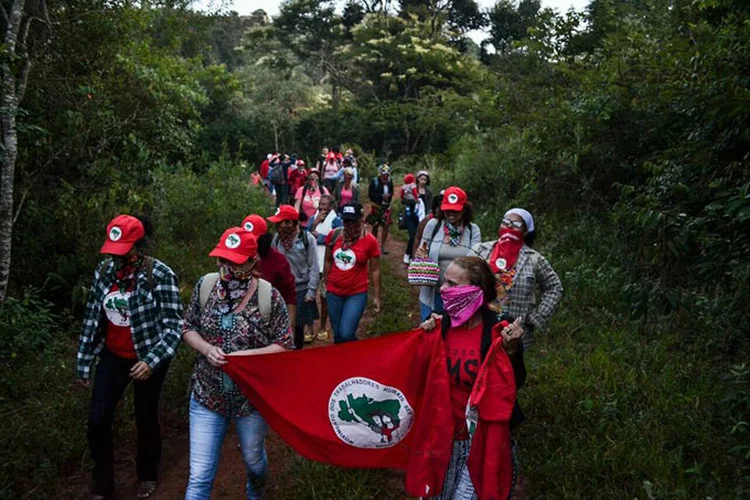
x: 505, y: 252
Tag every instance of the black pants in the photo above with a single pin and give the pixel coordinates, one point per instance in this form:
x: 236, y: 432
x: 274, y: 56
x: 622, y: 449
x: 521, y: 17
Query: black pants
x: 281, y: 194
x: 112, y: 377
x: 412, y: 224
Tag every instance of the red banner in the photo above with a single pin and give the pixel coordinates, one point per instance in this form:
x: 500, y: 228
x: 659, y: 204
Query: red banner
x: 382, y: 402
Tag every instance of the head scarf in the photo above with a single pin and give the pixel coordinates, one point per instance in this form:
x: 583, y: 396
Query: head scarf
x: 125, y: 268
x: 525, y: 215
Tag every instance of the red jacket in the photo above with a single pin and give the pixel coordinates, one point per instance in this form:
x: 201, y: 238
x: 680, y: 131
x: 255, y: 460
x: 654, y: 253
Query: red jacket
x: 490, y: 462
x: 264, y: 169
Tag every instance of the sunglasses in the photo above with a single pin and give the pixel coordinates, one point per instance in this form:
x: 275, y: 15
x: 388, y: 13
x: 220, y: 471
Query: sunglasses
x: 512, y: 223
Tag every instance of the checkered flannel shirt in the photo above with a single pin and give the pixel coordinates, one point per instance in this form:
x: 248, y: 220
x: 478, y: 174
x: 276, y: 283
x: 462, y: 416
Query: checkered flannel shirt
x: 532, y: 269
x: 155, y: 317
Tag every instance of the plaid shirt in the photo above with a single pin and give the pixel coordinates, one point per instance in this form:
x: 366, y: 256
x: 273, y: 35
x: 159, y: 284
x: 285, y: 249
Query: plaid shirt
x: 532, y: 269
x: 155, y: 317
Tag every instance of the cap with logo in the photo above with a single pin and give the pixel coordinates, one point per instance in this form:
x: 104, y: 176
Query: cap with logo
x: 236, y: 245
x: 255, y: 224
x: 122, y: 233
x: 454, y: 199
x: 284, y: 212
x: 384, y: 169
x: 352, y: 211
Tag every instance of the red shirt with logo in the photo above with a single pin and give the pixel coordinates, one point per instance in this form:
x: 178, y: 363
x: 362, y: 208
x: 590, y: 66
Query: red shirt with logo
x: 348, y: 275
x: 119, y: 338
x: 462, y: 352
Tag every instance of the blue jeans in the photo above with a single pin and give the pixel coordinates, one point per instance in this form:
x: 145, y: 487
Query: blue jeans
x: 425, y: 310
x: 207, y: 430
x: 345, y: 313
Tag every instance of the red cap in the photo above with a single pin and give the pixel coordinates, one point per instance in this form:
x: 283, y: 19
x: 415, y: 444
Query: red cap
x: 408, y: 178
x: 236, y: 245
x: 255, y: 224
x: 284, y: 212
x: 300, y: 163
x: 454, y: 198
x: 122, y: 233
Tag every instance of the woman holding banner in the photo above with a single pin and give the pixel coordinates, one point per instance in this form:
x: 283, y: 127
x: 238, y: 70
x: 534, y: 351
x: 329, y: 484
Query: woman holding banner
x: 231, y: 312
x: 478, y: 346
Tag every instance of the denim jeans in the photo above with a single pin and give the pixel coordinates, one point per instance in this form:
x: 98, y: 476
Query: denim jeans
x: 111, y: 379
x: 345, y: 313
x: 207, y: 430
x: 425, y: 310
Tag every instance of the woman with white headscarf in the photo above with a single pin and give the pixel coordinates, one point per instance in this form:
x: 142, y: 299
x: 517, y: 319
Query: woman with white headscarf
x: 519, y: 271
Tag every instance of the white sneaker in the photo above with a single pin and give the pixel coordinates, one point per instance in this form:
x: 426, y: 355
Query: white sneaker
x: 407, y: 259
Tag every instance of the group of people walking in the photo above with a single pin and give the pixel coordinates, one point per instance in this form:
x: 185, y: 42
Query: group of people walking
x: 263, y: 296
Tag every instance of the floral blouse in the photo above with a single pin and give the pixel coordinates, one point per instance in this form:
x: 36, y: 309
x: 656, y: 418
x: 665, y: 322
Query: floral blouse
x: 211, y: 386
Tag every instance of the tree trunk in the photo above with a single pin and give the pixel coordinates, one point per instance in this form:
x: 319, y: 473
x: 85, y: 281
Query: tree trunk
x: 9, y: 97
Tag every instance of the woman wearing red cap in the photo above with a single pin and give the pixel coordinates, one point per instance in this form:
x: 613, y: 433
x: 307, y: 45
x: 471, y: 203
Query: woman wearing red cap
x: 132, y: 324
x: 450, y: 235
x: 299, y: 248
x: 231, y: 312
x: 273, y: 266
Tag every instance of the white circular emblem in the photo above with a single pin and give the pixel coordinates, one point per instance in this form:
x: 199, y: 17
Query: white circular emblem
x: 367, y: 414
x: 249, y: 226
x: 500, y: 263
x: 116, y: 308
x: 232, y: 241
x: 115, y: 233
x: 344, y: 259
x: 453, y: 198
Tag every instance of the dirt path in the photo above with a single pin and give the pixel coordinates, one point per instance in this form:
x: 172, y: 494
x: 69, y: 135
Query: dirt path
x: 230, y: 478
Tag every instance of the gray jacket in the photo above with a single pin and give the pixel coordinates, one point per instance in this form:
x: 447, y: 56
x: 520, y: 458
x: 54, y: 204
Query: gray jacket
x: 470, y: 237
x: 303, y: 261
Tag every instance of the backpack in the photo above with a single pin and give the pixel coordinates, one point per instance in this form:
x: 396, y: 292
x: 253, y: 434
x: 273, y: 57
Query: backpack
x: 336, y: 235
x: 264, y: 293
x: 276, y: 174
x: 302, y: 235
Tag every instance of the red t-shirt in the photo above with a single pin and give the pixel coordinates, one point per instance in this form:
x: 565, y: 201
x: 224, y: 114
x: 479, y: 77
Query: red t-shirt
x: 348, y: 275
x: 275, y: 269
x: 462, y: 352
x: 119, y: 339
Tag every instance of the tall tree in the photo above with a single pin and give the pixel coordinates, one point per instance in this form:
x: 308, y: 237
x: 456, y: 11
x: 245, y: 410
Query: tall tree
x: 19, y: 20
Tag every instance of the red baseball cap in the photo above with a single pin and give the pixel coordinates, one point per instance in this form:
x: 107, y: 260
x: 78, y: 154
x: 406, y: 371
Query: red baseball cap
x: 236, y: 245
x: 284, y: 212
x: 255, y: 224
x: 122, y: 233
x: 454, y: 198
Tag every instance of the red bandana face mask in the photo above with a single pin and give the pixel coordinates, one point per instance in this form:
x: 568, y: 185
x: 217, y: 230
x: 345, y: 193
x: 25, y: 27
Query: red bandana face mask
x: 505, y: 252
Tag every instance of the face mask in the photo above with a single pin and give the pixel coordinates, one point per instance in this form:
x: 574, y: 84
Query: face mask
x: 461, y: 302
x: 228, y: 273
x: 510, y: 233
